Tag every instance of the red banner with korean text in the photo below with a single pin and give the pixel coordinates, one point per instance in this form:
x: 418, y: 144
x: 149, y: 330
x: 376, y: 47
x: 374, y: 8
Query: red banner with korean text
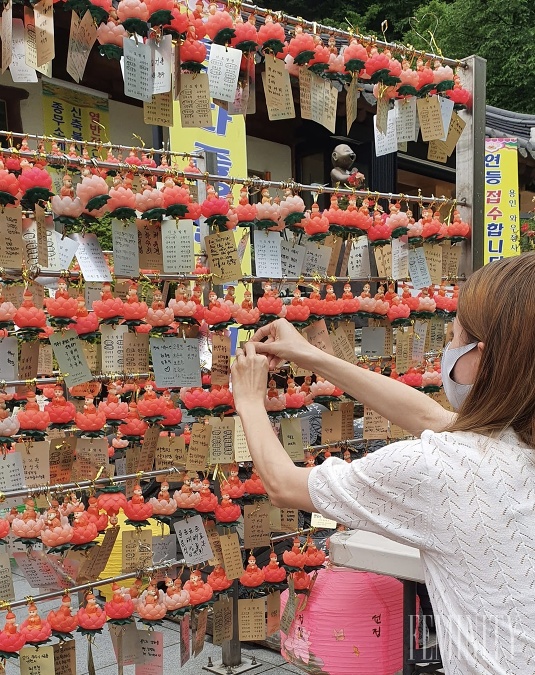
x: 502, y: 214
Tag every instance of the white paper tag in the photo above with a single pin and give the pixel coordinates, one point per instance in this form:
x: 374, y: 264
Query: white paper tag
x: 177, y: 246
x: 19, y: 69
x: 176, y: 362
x: 386, y: 143
x: 81, y: 40
x: 6, y: 35
x: 418, y: 270
x: 137, y: 71
x: 70, y: 357
x: 90, y: 258
x: 111, y: 344
x: 44, y: 31
x: 125, y: 247
x: 400, y: 258
x: 11, y: 476
x: 268, y: 254
x: 316, y: 259
x: 292, y: 259
x: 193, y: 541
x: 322, y: 523
x: 446, y: 110
x: 9, y: 360
x: 418, y: 343
x: 30, y: 44
x: 358, y: 264
x: 223, y: 72
x: 161, y: 60
x: 406, y: 119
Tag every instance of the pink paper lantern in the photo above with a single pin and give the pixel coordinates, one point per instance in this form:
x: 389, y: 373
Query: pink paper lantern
x: 351, y: 625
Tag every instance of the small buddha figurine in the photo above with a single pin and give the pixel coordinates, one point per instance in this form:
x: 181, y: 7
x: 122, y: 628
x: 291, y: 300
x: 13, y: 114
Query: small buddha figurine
x: 34, y: 621
x: 89, y: 406
x: 247, y: 301
x: 230, y: 295
x: 290, y: 386
x: 29, y: 513
x: 272, y: 389
x: 305, y: 387
x: 163, y: 494
x: 330, y: 295
x: 137, y: 497
x: 66, y: 188
x: 347, y: 294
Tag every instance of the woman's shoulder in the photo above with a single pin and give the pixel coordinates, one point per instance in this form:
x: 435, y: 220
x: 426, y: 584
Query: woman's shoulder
x: 469, y: 442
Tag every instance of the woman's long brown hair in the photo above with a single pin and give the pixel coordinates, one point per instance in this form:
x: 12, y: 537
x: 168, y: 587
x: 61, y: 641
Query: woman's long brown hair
x: 497, y: 307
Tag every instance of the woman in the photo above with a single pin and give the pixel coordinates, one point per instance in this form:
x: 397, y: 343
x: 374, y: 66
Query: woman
x: 463, y: 492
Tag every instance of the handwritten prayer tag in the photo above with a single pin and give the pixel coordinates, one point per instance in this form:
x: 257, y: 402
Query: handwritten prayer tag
x: 268, y: 254
x: 418, y: 270
x: 222, y: 612
x: 223, y: 72
x: 430, y: 117
x: 221, y: 441
x: 220, y: 370
x: 70, y: 357
x: 351, y: 103
x: 82, y: 36
x: 159, y: 110
x: 161, y: 59
x: 358, y: 264
x: 199, y: 447
x: 175, y: 362
x: 11, y: 246
x: 177, y: 244
x: 232, y: 557
x: 125, y: 248
x: 251, y: 619
x: 37, y: 660
x: 223, y: 257
x: 387, y: 142
x: 137, y: 69
x: 44, y: 31
x: 292, y: 438
x: 136, y: 549
x: 193, y: 541
x: 195, y: 103
x: 406, y: 129
x: 6, y: 35
x: 90, y: 258
x: 20, y: 71
x: 375, y: 426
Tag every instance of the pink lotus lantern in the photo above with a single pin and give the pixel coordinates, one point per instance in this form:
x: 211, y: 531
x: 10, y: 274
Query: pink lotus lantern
x: 60, y: 411
x: 271, y: 36
x: 150, y: 202
x: 158, y: 315
x: 86, y: 322
x: 317, y: 225
x: 61, y: 307
x: 270, y: 304
x: 379, y: 233
x: 34, y: 629
x: 182, y: 306
x: 218, y: 312
x: 295, y: 557
x: 28, y: 315
x: 151, y: 406
x: 268, y: 213
x: 245, y: 35
x: 91, y: 618
x: 90, y: 420
x: 84, y: 530
x: 292, y: 211
x: 28, y: 525
x: 112, y: 407
x: 111, y: 33
x: 398, y: 311
x: 246, y: 212
x: 218, y: 579
x: 172, y: 416
x: 365, y: 636
x: 62, y: 620
x: 176, y: 597
x: 9, y: 187
x: 196, y: 400
x: 253, y: 575
x: 233, y: 486
x: 136, y: 509
x: 301, y: 47
x: 199, y: 592
x: 31, y: 418
x: 247, y: 315
x: 111, y: 502
x: 134, y: 426
x: 192, y: 54
x: 121, y: 607
x: 95, y: 515
x: 226, y: 511
x: 273, y: 572
x: 108, y: 308
x: 4, y: 528
x: 164, y: 504
x: 208, y: 501
x: 222, y: 399
x: 35, y: 184
x: 457, y: 230
x: 151, y: 604
x: 219, y: 25
x: 186, y: 499
x: 215, y: 209
x: 254, y: 485
x: 9, y: 424
x: 56, y: 531
x: 11, y: 640
x: 355, y: 56
x: 7, y: 310
x: 134, y: 311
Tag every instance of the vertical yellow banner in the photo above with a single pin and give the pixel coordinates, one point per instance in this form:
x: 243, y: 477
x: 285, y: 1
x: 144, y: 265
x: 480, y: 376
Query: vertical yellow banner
x: 502, y: 215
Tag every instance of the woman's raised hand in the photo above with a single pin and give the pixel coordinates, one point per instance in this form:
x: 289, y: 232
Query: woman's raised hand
x: 283, y: 343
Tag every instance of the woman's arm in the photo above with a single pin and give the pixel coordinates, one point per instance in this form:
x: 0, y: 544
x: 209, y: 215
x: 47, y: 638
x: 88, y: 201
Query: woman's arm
x: 403, y: 405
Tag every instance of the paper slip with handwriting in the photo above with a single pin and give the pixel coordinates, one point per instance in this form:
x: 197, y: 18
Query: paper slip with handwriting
x: 176, y: 362
x: 268, y: 254
x: 90, y: 257
x: 386, y: 143
x: 223, y: 71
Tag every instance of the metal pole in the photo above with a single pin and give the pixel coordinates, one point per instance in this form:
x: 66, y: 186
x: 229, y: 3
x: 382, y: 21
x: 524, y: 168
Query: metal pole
x: 470, y: 174
x: 255, y: 183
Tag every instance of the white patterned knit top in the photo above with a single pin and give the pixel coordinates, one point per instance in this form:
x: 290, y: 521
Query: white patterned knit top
x: 467, y: 502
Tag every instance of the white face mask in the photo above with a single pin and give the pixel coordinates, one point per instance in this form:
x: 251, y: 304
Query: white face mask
x: 455, y: 392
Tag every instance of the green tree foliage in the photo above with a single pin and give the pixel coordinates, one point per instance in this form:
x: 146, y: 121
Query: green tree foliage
x: 502, y: 33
